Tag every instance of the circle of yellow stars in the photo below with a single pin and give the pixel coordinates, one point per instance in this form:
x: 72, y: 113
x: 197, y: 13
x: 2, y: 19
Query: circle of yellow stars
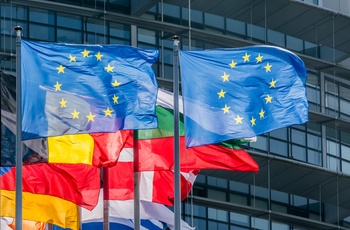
x: 108, y: 112
x: 268, y: 98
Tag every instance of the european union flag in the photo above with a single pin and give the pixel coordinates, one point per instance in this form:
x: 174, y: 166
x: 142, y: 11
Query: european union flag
x: 69, y: 89
x: 241, y: 93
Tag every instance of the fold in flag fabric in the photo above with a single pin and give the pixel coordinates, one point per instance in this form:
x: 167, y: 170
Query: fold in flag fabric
x: 7, y: 223
x: 240, y: 93
x: 41, y: 208
x: 79, y: 183
x: 71, y: 89
x: 152, y: 215
x: 156, y: 146
x: 155, y: 186
x: 94, y: 148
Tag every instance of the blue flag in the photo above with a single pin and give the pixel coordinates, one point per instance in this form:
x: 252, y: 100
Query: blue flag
x: 241, y: 93
x: 71, y: 89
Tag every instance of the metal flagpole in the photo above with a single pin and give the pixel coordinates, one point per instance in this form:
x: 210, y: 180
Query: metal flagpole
x: 105, y: 175
x: 177, y: 193
x: 137, y: 221
x: 19, y: 153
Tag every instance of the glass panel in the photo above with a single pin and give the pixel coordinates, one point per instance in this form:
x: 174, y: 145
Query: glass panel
x: 16, y: 12
x: 332, y: 148
x: 199, y: 223
x: 345, y: 152
x: 279, y: 196
x: 118, y: 41
x: 69, y: 21
x: 214, y: 20
x: 238, y: 186
x: 279, y: 147
x: 239, y: 219
x: 256, y: 32
x: 345, y: 106
x: 310, y: 49
x: 332, y: 102
x: 298, y: 137
x: 313, y: 95
x: 96, y: 39
x: 331, y: 88
x: 199, y: 211
x: 222, y: 215
x: 295, y: 44
x: 276, y: 38
x: 298, y: 153
x: 216, y: 195
x: 345, y: 167
x: 119, y: 30
x: 313, y: 141
x: 278, y: 208
x: 314, y: 157
x: 260, y: 224
x: 96, y: 27
x: 298, y: 201
x: 41, y: 16
x: 259, y: 191
x: 238, y: 199
x: 279, y: 133
x: 326, y: 53
x: 235, y: 26
x: 332, y: 163
x: 43, y: 33
x: 69, y: 36
x: 218, y: 182
x: 278, y: 226
x: 147, y: 36
x: 171, y: 10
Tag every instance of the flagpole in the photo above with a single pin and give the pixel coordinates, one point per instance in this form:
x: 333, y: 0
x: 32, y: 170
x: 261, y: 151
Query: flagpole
x: 19, y: 153
x: 177, y: 193
x: 137, y: 221
x: 105, y: 176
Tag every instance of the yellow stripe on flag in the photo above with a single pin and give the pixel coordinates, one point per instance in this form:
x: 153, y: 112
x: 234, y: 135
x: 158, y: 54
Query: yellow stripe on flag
x: 71, y: 149
x: 42, y: 208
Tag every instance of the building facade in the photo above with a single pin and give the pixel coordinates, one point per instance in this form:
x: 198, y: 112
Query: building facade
x: 304, y: 178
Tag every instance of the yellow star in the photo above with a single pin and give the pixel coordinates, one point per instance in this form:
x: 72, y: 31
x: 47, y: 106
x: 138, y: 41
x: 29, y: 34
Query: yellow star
x: 268, y: 67
x: 259, y: 58
x: 109, y: 68
x: 90, y: 117
x: 99, y: 56
x: 273, y: 84
x: 108, y: 112
x: 61, y: 69
x: 116, y: 83
x: 57, y: 86
x: 72, y: 58
x: 63, y: 103
x: 268, y: 99
x: 225, y: 77
x: 115, y: 99
x: 75, y: 114
x: 246, y: 57
x: 253, y: 121
x: 221, y: 94
x: 233, y: 64
x: 85, y: 53
x: 262, y: 114
x: 226, y: 109
x: 238, y: 120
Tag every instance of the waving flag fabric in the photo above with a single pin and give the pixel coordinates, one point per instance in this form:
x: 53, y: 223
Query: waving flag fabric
x: 77, y: 183
x: 71, y: 89
x: 156, y: 146
x: 152, y: 215
x: 155, y: 186
x: 240, y: 93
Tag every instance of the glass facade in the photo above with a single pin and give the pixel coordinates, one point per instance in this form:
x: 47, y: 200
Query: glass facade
x: 318, y: 144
